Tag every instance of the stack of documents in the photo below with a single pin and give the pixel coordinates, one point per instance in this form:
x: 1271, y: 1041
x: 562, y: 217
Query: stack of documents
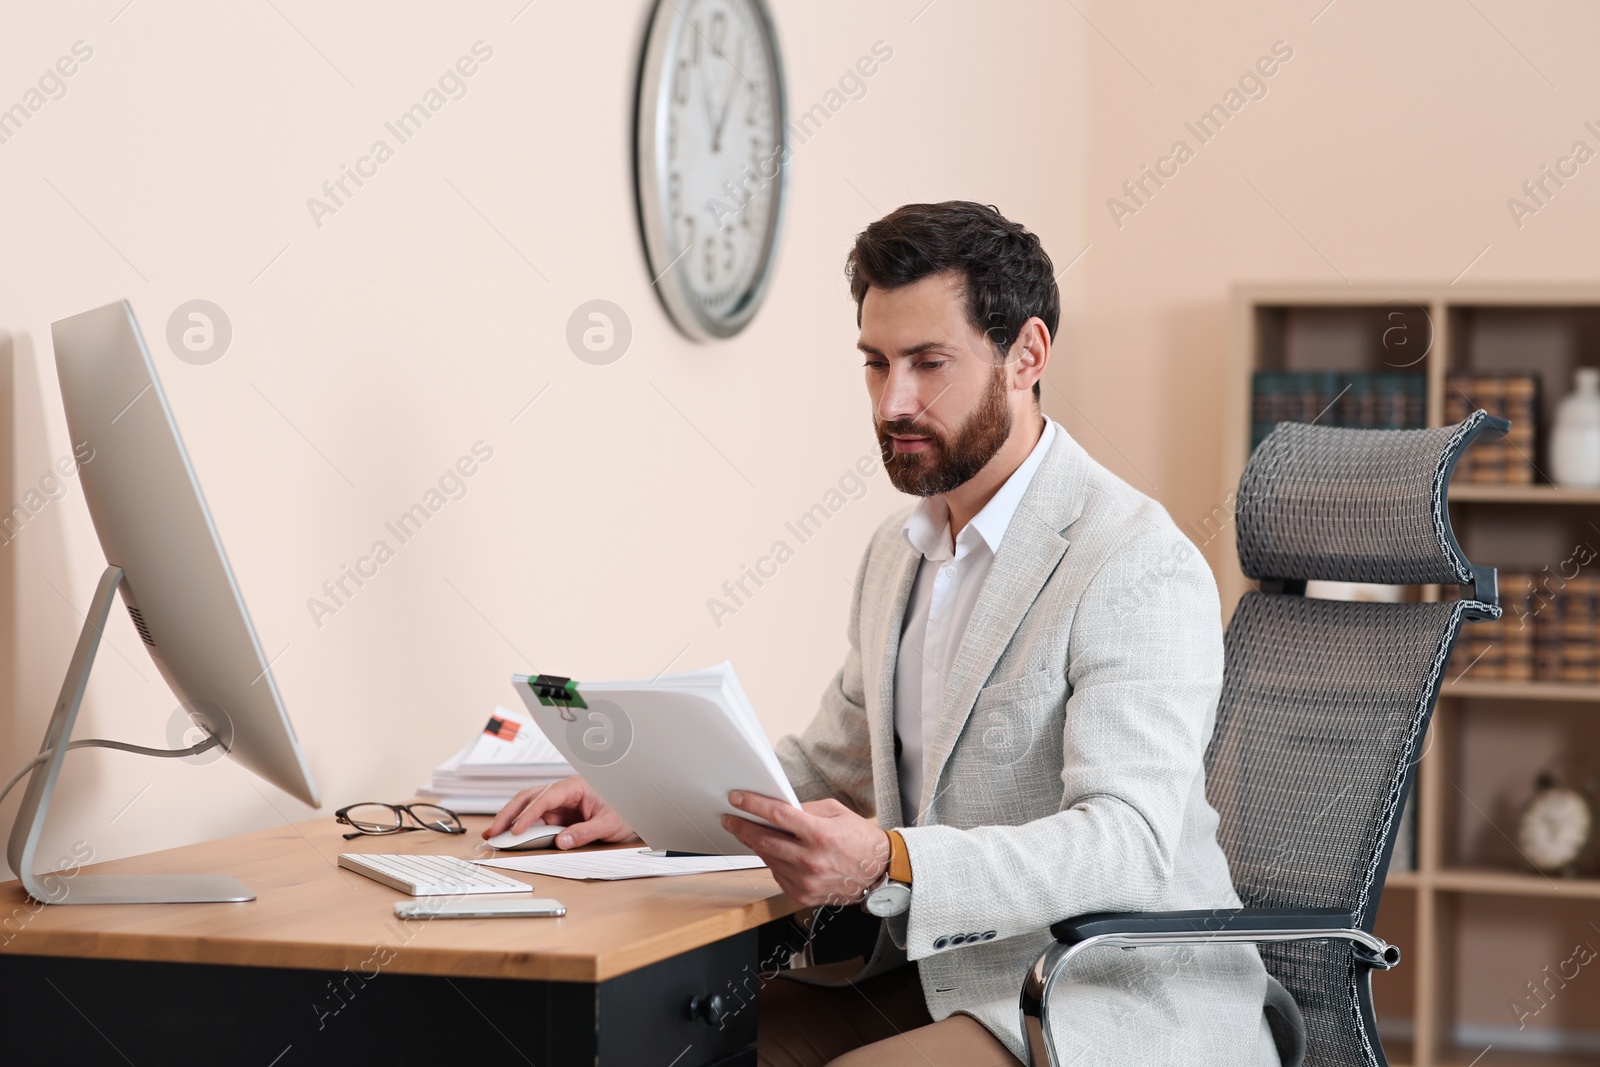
x: 663, y: 752
x: 614, y: 864
x: 508, y: 755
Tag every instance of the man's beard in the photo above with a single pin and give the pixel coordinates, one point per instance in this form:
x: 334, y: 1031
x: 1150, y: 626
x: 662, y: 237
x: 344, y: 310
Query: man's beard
x: 946, y: 464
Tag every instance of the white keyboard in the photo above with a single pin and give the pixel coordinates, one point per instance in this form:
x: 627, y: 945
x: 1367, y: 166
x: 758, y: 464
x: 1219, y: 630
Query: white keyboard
x: 431, y: 876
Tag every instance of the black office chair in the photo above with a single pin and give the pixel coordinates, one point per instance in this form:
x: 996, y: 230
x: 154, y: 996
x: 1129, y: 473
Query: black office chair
x: 1324, y: 707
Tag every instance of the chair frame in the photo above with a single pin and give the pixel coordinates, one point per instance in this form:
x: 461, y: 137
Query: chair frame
x: 1207, y: 927
x: 1257, y: 925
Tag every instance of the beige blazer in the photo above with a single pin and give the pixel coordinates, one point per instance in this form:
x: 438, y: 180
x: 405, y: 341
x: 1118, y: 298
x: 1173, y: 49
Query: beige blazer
x: 1065, y: 775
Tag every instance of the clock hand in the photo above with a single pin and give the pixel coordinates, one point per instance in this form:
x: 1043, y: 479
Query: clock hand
x: 727, y: 104
x: 727, y: 107
x: 711, y: 115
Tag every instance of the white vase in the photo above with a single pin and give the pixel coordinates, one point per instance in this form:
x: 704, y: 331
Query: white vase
x: 1575, y: 443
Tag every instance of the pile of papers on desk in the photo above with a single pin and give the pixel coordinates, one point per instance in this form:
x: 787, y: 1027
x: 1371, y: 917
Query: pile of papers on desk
x: 508, y: 755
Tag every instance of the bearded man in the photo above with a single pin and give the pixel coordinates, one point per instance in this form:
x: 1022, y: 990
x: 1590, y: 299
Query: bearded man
x: 1017, y: 733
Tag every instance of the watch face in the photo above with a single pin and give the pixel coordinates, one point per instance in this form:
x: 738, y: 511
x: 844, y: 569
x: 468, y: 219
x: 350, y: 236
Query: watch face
x: 887, y: 900
x: 712, y: 159
x: 1555, y: 827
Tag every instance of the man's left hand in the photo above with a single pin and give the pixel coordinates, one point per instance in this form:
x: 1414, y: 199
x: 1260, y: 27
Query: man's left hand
x: 820, y: 853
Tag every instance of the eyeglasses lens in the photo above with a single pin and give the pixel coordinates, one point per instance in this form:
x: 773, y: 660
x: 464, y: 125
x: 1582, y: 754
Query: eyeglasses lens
x: 374, y: 818
x: 436, y: 818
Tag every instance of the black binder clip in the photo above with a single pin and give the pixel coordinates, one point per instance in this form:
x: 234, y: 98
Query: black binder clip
x: 555, y: 691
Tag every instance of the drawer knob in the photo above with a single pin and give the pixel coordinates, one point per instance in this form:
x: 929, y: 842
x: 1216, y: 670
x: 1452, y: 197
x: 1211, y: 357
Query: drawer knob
x: 712, y: 1009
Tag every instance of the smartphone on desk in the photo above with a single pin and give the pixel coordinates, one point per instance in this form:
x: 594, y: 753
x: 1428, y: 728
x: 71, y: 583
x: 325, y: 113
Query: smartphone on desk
x: 479, y: 908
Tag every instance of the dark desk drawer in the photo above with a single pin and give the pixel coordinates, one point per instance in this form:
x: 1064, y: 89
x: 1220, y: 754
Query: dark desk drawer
x: 63, y: 1010
x: 643, y: 1017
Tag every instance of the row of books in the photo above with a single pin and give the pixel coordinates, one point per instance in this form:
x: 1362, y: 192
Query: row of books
x: 1550, y: 632
x: 1398, y: 400
x: 1502, y: 461
x: 1387, y: 400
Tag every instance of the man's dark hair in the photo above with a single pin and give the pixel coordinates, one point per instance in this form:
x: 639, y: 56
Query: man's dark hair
x: 1007, y: 275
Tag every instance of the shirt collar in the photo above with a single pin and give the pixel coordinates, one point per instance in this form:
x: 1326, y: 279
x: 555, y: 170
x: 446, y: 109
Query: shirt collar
x: 927, y: 529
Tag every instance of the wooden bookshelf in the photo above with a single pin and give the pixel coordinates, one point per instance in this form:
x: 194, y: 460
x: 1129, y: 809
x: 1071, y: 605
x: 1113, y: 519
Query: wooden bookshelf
x: 1496, y: 882
x: 1494, y: 1057
x: 1513, y: 884
x: 1521, y: 494
x: 1473, y: 924
x: 1462, y: 688
x: 1403, y: 880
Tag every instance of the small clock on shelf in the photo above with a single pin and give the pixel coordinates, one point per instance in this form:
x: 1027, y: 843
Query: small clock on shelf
x: 1557, y: 828
x: 712, y: 158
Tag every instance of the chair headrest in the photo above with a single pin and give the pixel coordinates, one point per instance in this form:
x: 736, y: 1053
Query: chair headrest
x: 1348, y: 505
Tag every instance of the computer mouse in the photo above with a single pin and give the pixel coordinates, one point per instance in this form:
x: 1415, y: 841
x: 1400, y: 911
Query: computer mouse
x: 536, y: 836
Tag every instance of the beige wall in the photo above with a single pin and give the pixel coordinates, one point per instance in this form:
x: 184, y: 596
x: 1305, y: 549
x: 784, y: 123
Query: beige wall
x: 379, y: 347
x: 1385, y: 149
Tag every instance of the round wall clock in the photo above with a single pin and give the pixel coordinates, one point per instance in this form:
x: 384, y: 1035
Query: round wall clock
x: 711, y: 158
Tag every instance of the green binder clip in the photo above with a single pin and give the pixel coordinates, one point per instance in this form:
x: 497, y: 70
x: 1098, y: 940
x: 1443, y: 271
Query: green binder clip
x: 555, y: 691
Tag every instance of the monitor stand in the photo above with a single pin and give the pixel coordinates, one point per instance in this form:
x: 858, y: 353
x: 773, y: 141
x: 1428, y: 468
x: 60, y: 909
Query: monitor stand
x: 59, y: 888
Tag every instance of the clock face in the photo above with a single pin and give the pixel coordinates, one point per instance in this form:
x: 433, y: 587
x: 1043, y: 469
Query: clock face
x: 712, y: 159
x: 1554, y: 828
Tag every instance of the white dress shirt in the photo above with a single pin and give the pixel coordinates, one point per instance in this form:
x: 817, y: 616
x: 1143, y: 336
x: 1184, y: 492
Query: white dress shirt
x: 942, y: 598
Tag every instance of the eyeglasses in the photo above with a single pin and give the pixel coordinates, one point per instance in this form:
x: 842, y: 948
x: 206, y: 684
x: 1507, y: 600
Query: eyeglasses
x: 372, y: 818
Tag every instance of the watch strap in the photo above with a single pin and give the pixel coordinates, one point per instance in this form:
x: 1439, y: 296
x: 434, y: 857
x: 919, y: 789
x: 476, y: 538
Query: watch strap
x: 899, y: 858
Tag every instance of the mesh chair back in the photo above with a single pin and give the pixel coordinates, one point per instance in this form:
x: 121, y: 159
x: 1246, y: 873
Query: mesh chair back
x: 1348, y: 505
x: 1325, y: 703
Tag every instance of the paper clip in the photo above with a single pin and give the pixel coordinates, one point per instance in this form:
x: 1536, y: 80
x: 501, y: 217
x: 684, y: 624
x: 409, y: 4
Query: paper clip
x: 557, y: 692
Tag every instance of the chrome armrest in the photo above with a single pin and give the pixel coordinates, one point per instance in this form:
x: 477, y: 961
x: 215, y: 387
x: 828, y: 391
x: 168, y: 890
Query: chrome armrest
x: 1212, y: 926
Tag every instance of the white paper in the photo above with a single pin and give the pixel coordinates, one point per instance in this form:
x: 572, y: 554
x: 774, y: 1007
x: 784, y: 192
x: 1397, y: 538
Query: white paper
x: 686, y: 741
x: 615, y: 864
x: 466, y: 805
x: 491, y: 769
x: 490, y: 752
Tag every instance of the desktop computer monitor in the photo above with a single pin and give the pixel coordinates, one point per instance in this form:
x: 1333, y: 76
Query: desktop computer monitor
x: 166, y: 560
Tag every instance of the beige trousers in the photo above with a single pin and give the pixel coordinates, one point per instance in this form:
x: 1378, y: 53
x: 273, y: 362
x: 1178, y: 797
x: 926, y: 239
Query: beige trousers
x: 881, y: 1022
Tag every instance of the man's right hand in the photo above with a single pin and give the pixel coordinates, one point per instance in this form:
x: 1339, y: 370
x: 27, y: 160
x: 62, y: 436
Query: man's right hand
x: 570, y: 803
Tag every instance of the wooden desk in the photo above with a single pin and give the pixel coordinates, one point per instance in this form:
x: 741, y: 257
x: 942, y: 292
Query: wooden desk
x: 318, y: 969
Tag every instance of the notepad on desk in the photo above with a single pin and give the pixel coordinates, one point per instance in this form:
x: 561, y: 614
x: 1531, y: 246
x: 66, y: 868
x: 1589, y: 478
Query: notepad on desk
x: 616, y: 864
x: 663, y: 752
